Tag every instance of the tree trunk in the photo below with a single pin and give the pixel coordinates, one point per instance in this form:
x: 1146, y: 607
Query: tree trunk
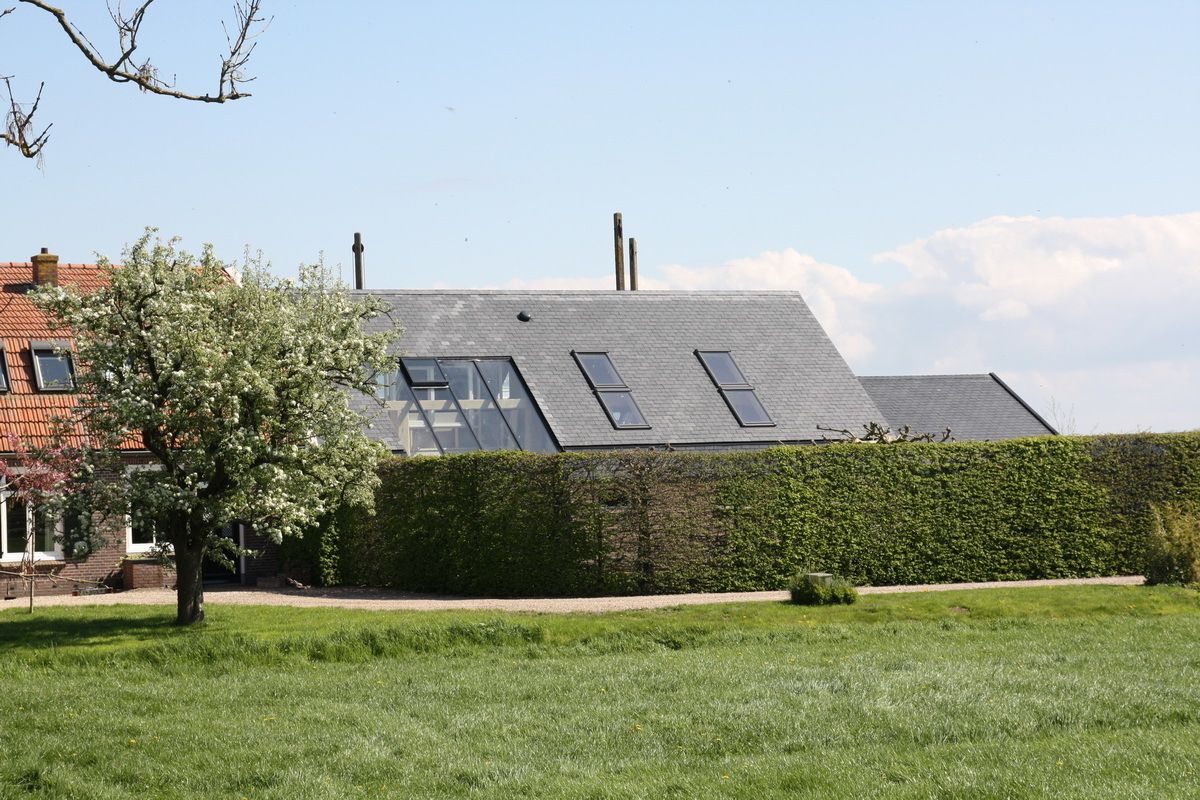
x: 189, y: 584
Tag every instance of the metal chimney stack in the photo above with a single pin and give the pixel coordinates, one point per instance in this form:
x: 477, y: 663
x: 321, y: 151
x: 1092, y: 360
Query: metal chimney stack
x: 359, y: 278
x: 619, y: 250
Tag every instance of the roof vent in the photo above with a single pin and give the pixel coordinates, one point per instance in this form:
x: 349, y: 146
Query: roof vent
x: 524, y: 316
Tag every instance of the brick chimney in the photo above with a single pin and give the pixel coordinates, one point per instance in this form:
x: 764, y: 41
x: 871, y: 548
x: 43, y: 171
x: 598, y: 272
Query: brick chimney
x: 45, y: 268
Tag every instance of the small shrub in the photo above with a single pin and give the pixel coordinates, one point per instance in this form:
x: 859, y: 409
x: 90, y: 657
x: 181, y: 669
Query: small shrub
x: 810, y: 589
x: 1174, y: 545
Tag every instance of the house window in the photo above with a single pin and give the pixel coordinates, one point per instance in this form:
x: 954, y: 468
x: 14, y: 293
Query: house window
x: 737, y: 392
x: 142, y: 532
x: 457, y: 405
x: 25, y: 530
x: 3, y: 370
x: 614, y: 395
x: 52, y: 366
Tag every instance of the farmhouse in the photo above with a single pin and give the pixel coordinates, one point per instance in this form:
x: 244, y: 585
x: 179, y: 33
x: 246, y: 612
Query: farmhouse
x: 592, y: 370
x: 542, y: 371
x: 37, y: 388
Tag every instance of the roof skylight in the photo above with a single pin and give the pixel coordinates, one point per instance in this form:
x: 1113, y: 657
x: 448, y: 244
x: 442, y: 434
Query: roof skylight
x: 737, y: 392
x: 614, y: 395
x: 52, y: 366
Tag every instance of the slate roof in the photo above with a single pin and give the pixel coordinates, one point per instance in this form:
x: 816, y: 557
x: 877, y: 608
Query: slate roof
x: 974, y: 407
x: 24, y: 411
x: 784, y: 353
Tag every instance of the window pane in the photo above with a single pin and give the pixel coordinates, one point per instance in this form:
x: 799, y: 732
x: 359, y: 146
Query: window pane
x: 14, y: 512
x: 476, y: 403
x: 622, y: 409
x: 142, y: 531
x: 386, y: 383
x: 448, y: 424
x: 747, y: 407
x: 517, y: 406
x: 3, y: 371
x: 402, y: 413
x: 54, y: 370
x: 724, y: 371
x: 599, y: 369
x: 44, y: 528
x: 423, y: 371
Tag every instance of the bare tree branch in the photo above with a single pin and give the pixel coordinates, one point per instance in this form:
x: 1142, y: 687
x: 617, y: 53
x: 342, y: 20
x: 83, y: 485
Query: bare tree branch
x: 145, y: 75
x: 19, y: 130
x: 875, y: 433
x: 240, y: 42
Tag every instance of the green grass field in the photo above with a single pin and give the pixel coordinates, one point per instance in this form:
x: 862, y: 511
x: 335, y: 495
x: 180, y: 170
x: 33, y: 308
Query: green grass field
x: 1088, y: 692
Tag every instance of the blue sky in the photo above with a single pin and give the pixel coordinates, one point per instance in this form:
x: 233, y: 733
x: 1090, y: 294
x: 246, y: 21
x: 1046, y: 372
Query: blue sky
x: 955, y: 187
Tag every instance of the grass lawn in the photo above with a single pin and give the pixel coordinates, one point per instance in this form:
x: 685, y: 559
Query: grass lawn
x: 1088, y: 692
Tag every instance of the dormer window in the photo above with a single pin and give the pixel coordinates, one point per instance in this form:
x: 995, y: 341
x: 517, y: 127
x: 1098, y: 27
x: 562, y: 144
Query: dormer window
x: 52, y: 366
x: 3, y: 370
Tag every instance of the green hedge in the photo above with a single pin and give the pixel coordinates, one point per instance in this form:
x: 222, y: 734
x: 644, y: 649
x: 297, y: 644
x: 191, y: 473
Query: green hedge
x: 512, y: 524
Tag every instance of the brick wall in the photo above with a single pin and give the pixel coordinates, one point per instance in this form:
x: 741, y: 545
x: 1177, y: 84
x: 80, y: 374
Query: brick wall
x: 105, y: 565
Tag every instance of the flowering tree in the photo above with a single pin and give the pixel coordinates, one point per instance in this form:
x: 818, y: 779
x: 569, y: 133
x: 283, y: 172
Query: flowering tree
x: 43, y: 477
x: 236, y: 386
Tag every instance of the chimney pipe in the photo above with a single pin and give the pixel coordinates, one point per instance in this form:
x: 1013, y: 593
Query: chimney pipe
x: 632, y: 264
x: 358, y: 262
x: 45, y: 268
x: 619, y: 250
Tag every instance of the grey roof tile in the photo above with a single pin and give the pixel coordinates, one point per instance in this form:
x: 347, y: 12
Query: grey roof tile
x: 801, y: 378
x: 974, y: 407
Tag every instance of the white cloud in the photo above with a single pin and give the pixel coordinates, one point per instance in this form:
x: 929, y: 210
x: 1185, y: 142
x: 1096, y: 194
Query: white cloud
x: 1098, y: 314
x: 833, y: 292
x: 1006, y: 267
x: 1139, y: 396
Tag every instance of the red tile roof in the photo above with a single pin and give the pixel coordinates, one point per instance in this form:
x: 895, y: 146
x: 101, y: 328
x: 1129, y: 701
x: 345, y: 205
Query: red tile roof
x: 24, y: 410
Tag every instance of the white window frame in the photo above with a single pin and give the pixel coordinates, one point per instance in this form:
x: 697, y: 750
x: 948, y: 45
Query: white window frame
x: 10, y: 556
x: 140, y: 547
x: 58, y: 349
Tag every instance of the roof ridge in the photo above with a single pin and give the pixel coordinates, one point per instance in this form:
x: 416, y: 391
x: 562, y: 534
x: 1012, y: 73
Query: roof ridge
x: 935, y: 375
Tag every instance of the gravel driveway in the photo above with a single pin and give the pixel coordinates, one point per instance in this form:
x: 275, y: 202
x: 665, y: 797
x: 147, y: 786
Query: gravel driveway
x: 383, y: 600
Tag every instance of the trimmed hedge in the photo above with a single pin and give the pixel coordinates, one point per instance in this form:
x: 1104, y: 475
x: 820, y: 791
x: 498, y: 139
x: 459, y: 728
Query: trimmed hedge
x: 512, y: 524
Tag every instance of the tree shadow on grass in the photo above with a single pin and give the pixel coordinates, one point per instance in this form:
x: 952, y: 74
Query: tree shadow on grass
x: 81, y: 628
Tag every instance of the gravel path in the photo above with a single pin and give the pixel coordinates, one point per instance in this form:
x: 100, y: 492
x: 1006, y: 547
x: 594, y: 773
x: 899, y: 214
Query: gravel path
x: 382, y: 600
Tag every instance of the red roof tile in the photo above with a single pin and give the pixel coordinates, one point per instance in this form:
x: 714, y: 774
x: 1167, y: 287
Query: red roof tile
x: 24, y: 410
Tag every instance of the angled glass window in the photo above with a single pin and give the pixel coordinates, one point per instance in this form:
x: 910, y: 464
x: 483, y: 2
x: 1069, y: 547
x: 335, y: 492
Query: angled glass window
x: 52, y: 366
x: 455, y: 405
x: 722, y: 369
x: 446, y: 419
x: 615, y: 397
x: 423, y: 372
x: 3, y: 370
x: 477, y: 404
x: 517, y: 406
x: 746, y: 407
x: 408, y: 422
x: 622, y: 409
x: 599, y: 371
x: 737, y: 392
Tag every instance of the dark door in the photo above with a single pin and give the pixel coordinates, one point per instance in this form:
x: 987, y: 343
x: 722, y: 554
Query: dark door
x: 216, y: 573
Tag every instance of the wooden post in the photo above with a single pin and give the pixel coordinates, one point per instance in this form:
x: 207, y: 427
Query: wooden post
x: 632, y: 264
x: 619, y: 250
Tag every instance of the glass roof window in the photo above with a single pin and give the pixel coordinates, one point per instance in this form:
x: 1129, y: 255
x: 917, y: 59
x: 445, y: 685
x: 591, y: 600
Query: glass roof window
x: 458, y: 405
x: 737, y: 392
x: 614, y: 395
x: 423, y: 372
x: 52, y: 366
